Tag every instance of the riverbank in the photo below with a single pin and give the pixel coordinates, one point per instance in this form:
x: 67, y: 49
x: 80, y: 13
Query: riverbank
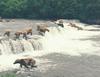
x: 60, y: 65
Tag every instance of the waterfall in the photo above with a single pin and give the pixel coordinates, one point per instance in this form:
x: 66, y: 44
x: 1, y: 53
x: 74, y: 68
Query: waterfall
x: 19, y: 46
x: 67, y: 41
x: 60, y: 40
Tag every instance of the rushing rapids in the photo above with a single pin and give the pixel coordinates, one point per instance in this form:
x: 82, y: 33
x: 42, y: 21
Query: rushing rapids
x: 14, y: 47
x: 67, y: 40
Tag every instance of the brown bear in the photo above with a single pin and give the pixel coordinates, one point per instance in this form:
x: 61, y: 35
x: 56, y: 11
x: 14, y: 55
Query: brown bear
x: 17, y: 34
x: 61, y: 23
x: 26, y: 62
x: 7, y: 32
x: 42, y: 28
x: 29, y: 30
x: 75, y: 26
x: 24, y: 33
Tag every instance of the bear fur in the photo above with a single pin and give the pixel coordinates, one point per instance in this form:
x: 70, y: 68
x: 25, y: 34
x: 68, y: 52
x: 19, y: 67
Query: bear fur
x: 42, y: 28
x: 26, y: 62
x: 17, y: 34
x: 7, y: 32
x: 29, y: 30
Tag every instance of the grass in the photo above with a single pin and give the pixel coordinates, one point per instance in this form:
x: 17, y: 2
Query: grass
x: 8, y: 75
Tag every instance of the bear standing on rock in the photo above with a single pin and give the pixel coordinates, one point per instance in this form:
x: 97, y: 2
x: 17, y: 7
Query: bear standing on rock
x: 26, y: 62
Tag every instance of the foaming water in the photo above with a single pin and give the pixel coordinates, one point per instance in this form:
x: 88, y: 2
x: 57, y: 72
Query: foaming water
x: 69, y: 42
x: 65, y: 40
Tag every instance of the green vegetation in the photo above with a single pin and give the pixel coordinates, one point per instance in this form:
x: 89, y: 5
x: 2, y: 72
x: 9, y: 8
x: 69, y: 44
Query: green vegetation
x: 50, y: 9
x: 8, y: 75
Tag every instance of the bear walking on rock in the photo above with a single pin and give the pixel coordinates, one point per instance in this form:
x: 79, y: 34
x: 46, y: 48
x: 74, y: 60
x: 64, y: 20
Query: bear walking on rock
x: 27, y: 62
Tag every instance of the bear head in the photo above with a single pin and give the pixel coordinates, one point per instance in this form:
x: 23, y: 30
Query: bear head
x: 17, y: 61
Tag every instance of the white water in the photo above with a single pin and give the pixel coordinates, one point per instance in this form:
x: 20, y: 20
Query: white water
x: 59, y: 40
